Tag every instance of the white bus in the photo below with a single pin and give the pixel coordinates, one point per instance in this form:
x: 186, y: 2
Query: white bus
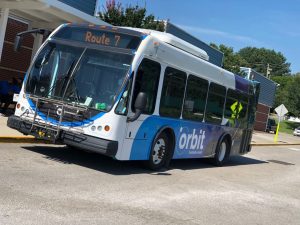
x: 134, y: 94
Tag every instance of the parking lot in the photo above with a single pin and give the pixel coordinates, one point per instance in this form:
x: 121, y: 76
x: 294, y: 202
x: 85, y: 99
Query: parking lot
x: 45, y: 184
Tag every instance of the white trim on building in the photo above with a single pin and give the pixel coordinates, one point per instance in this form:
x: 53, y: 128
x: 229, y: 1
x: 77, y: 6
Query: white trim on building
x: 46, y: 14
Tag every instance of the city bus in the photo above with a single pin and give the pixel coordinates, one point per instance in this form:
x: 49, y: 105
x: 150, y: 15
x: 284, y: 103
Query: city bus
x: 134, y: 94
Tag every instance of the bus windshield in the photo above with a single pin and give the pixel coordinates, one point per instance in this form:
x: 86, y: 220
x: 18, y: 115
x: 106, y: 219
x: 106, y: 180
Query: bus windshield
x: 82, y: 76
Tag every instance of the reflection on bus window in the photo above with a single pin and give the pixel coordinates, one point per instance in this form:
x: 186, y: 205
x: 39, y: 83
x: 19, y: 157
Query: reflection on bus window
x: 195, y: 99
x: 172, y: 93
x: 215, y: 103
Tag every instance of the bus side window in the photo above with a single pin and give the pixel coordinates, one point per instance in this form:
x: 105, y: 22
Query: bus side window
x: 147, y: 79
x: 232, y: 107
x: 172, y: 93
x: 215, y: 103
x: 195, y: 100
x: 243, y: 112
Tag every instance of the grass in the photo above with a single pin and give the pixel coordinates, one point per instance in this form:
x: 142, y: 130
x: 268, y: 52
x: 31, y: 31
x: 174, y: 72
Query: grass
x: 288, y: 127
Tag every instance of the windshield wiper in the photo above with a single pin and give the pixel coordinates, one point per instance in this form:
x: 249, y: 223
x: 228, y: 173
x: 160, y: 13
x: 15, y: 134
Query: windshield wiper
x: 71, y: 75
x: 63, y: 79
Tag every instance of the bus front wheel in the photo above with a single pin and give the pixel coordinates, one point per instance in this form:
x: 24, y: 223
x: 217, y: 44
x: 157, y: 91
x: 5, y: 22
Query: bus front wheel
x: 222, y: 153
x: 159, y: 152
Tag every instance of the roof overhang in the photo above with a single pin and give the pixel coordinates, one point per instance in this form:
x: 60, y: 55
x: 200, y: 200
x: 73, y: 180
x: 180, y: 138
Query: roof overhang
x: 47, y: 13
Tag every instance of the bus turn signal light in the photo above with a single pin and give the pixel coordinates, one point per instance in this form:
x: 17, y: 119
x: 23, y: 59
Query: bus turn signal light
x: 106, y: 128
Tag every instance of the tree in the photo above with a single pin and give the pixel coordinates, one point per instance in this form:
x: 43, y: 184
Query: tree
x: 259, y: 58
x: 232, y: 61
x: 293, y: 97
x: 288, y: 93
x: 132, y: 16
x: 282, y: 90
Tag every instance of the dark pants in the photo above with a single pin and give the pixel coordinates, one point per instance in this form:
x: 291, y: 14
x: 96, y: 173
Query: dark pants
x: 7, y: 100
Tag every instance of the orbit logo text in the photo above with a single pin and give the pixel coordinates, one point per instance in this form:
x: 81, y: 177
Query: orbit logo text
x: 191, y: 140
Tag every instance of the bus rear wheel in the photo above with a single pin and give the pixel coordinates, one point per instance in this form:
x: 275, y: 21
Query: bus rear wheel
x: 159, y: 152
x: 222, y: 153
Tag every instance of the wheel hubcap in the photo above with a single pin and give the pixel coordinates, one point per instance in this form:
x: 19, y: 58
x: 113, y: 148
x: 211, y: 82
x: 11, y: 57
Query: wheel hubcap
x: 159, y: 151
x: 222, y: 151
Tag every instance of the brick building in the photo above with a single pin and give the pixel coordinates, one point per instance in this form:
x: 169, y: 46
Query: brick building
x: 20, y: 15
x: 266, y: 97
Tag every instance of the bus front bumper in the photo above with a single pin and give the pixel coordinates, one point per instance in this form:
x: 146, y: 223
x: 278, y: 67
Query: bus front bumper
x: 89, y: 143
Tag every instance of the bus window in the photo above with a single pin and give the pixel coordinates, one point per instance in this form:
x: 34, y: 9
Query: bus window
x: 147, y: 79
x: 172, y: 93
x: 121, y: 108
x: 215, y: 104
x: 243, y: 112
x: 232, y: 107
x: 194, y: 104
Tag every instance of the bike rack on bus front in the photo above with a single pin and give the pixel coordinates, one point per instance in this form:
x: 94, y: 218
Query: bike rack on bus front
x: 44, y: 126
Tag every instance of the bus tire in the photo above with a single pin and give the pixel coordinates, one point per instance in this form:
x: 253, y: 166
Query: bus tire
x: 160, y: 150
x: 222, y: 153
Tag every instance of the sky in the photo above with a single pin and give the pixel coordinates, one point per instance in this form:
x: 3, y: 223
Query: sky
x: 235, y: 23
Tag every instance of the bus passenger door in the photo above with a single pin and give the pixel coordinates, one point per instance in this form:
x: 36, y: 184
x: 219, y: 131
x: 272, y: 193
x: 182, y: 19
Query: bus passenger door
x: 146, y: 80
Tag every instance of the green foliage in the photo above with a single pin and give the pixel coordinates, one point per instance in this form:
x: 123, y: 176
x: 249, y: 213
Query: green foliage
x: 255, y: 58
x: 259, y: 58
x: 282, y: 91
x: 293, y: 97
x: 132, y: 16
x: 288, y: 93
x: 232, y: 61
x: 287, y: 127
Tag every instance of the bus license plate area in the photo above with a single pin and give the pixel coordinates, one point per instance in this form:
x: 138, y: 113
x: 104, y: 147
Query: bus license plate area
x: 44, y: 133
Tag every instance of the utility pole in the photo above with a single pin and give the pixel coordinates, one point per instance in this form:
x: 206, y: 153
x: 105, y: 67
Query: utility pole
x: 268, y: 70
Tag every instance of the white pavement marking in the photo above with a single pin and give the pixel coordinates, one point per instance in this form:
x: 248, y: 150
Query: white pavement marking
x: 295, y: 149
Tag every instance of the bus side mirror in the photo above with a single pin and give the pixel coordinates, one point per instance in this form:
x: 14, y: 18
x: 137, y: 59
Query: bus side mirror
x: 18, y: 43
x: 139, y: 106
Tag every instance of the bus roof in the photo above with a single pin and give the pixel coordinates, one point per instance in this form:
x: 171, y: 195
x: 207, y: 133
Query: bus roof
x: 175, y: 41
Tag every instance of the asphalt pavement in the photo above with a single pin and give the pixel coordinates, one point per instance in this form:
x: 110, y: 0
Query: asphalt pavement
x: 47, y: 184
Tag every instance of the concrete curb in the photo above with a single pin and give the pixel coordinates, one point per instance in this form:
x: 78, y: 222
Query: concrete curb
x: 21, y: 139
x: 273, y: 144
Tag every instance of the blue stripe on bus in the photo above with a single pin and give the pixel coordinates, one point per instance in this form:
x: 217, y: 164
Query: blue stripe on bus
x: 69, y: 124
x: 193, y: 139
x: 143, y: 37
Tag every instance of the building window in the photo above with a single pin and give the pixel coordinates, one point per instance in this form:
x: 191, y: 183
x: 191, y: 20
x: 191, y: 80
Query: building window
x: 172, y: 93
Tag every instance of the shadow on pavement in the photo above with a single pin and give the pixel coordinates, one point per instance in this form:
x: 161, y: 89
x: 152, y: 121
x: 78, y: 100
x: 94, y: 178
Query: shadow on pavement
x: 67, y: 155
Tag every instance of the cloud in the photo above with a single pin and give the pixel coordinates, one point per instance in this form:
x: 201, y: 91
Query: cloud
x: 218, y: 33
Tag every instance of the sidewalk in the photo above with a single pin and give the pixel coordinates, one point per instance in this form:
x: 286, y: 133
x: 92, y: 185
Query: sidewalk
x: 266, y: 139
x: 10, y: 135
x: 259, y: 138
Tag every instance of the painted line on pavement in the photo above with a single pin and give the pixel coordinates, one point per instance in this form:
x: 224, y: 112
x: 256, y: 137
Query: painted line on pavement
x: 295, y: 149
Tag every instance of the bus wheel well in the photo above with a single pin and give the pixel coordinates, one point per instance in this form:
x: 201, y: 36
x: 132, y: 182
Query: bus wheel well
x: 162, y: 149
x: 171, y: 136
x: 228, y: 137
x: 170, y: 133
x: 223, y: 150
